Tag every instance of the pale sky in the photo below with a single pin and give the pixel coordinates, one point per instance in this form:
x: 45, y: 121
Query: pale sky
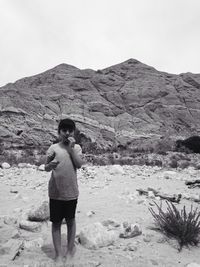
x: 37, y: 35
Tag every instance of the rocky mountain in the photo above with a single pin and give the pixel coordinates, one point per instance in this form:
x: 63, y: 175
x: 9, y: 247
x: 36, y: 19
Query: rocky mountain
x: 116, y: 105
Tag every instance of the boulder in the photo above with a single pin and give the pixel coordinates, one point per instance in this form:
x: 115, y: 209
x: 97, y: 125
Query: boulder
x: 30, y: 226
x: 40, y: 214
x: 96, y: 235
x: 5, y: 165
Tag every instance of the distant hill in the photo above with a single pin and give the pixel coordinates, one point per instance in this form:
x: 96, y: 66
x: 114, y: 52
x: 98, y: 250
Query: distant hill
x: 116, y: 105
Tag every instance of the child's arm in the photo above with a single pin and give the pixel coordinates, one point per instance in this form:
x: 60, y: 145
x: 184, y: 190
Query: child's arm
x: 50, y: 163
x: 75, y: 152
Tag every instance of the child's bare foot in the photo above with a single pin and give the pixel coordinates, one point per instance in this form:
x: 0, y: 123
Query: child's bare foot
x: 58, y: 260
x: 70, y: 253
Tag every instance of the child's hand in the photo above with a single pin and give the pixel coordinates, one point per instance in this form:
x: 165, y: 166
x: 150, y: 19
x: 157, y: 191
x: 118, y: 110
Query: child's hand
x: 53, y: 164
x: 71, y: 141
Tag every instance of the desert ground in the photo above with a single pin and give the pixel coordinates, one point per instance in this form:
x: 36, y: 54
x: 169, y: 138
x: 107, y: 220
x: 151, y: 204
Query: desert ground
x: 106, y: 193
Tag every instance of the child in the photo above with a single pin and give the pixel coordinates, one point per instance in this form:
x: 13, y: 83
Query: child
x: 63, y: 159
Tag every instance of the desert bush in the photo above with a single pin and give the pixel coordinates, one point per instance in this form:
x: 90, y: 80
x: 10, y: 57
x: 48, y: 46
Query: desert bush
x: 173, y: 163
x: 183, y: 164
x: 163, y: 145
x: 154, y: 162
x: 100, y: 160
x: 14, y: 159
x: 125, y: 161
x: 183, y: 226
x: 179, y: 156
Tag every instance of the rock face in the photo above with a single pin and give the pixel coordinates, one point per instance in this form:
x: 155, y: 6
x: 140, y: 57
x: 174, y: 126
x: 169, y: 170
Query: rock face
x: 119, y: 104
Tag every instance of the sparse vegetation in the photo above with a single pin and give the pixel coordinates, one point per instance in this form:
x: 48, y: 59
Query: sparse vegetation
x: 183, y: 226
x: 151, y: 152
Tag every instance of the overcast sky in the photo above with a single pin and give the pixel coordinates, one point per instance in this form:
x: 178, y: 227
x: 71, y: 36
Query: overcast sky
x: 37, y: 35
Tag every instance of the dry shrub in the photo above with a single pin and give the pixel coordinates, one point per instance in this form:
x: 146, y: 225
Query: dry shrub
x: 173, y: 163
x: 183, y: 164
x: 126, y: 161
x: 163, y: 145
x: 183, y: 226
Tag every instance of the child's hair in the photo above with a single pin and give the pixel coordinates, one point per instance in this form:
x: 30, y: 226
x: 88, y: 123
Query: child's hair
x: 66, y: 124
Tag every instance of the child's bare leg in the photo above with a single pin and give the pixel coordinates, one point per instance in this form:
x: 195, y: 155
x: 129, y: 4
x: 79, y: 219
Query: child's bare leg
x: 56, y: 236
x: 71, y: 234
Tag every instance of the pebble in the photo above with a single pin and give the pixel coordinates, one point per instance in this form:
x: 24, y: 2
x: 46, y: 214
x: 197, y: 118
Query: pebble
x: 13, y: 191
x: 90, y: 213
x: 154, y: 262
x: 147, y: 238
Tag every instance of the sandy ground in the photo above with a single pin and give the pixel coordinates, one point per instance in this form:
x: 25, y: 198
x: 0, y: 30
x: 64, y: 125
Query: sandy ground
x: 110, y: 192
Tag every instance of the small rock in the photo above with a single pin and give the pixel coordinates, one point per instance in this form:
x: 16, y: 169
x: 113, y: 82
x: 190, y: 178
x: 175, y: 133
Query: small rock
x: 130, y: 247
x: 15, y: 234
x: 130, y: 230
x: 196, y: 198
x: 116, y: 169
x: 110, y: 224
x: 35, y: 243
x: 17, y: 210
x: 5, y: 165
x: 25, y: 199
x: 151, y: 194
x: 13, y: 191
x: 147, y: 238
x: 28, y: 165
x: 90, y: 213
x: 186, y: 196
x: 169, y: 174
x: 22, y: 165
x: 140, y: 201
x: 41, y: 167
x: 9, y: 220
x: 161, y: 240
x: 30, y: 226
x: 154, y: 262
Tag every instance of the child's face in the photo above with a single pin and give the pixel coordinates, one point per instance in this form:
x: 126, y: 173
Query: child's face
x: 65, y: 133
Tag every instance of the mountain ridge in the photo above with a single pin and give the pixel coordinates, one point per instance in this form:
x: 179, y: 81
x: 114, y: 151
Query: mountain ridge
x: 112, y: 106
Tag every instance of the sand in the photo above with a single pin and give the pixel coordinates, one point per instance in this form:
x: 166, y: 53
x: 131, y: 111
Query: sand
x: 106, y: 192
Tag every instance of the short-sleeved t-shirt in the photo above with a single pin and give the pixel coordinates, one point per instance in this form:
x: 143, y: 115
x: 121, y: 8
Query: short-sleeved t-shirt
x: 63, y: 182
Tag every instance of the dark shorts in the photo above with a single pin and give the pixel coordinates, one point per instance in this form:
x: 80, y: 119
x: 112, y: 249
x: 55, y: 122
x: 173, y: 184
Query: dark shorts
x: 60, y: 209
